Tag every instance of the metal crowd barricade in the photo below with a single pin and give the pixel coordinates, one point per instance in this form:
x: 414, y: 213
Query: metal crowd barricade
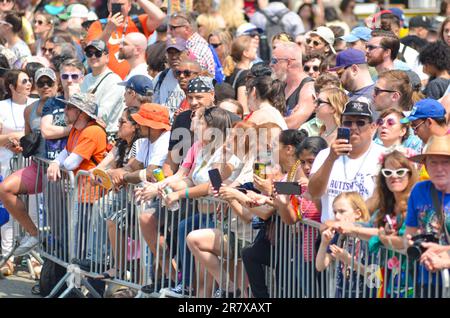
x: 103, y: 231
x: 16, y: 163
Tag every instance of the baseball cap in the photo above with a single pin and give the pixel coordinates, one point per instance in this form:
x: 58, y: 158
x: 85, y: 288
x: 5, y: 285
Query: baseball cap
x: 247, y: 29
x: 357, y: 108
x: 358, y: 33
x: 326, y: 34
x: 74, y: 11
x: 398, y: 13
x: 97, y: 44
x: 349, y: 57
x: 425, y: 108
x: 141, y: 84
x: 152, y: 115
x: 420, y: 21
x: 45, y: 71
x: 176, y: 43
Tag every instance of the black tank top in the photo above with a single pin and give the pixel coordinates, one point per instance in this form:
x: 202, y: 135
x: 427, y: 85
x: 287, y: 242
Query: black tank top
x: 292, y: 100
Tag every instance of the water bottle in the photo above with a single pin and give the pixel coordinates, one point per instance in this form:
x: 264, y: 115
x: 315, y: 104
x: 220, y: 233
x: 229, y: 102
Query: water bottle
x: 159, y: 176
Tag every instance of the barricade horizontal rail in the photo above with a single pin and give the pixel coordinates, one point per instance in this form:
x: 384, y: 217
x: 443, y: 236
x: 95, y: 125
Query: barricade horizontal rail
x: 204, y: 249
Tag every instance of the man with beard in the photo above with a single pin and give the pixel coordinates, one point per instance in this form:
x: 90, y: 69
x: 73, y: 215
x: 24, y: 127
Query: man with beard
x: 287, y: 67
x: 133, y: 51
x: 102, y: 82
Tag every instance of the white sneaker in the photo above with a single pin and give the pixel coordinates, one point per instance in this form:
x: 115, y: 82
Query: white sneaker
x: 27, y: 244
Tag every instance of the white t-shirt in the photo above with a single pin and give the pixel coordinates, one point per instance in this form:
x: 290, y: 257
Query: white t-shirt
x: 11, y: 120
x: 154, y: 153
x: 412, y: 59
x: 141, y: 69
x: 169, y: 93
x: 200, y: 173
x: 348, y: 175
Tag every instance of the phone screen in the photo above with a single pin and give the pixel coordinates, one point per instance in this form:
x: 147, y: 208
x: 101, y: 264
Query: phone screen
x: 216, y: 179
x: 116, y: 7
x: 288, y: 188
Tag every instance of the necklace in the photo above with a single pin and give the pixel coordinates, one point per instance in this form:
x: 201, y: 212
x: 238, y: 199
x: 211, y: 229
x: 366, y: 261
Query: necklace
x: 291, y: 174
x: 326, y: 134
x: 360, y: 166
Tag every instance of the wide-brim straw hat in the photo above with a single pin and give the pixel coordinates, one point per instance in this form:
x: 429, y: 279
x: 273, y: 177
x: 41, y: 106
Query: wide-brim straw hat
x: 436, y: 145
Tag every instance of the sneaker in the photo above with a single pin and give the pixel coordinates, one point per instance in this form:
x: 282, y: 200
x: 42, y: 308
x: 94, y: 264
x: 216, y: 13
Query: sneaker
x: 220, y: 293
x: 177, y: 292
x: 26, y: 245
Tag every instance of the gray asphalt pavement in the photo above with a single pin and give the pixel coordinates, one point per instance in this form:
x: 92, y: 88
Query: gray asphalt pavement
x: 17, y: 286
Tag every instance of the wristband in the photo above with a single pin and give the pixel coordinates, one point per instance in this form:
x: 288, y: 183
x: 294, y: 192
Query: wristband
x: 186, y: 193
x: 143, y: 175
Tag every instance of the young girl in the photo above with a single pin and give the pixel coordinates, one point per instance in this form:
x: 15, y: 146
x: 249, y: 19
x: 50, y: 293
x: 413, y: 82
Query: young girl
x: 347, y: 207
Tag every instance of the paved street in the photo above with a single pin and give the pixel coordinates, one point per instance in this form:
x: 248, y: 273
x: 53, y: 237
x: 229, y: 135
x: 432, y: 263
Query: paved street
x: 17, y: 286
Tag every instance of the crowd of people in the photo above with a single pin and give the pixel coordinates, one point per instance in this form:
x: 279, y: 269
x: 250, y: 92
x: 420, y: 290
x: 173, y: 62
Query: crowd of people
x: 355, y: 112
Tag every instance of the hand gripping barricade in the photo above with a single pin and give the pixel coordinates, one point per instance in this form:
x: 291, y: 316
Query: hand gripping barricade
x: 33, y: 205
x: 96, y: 234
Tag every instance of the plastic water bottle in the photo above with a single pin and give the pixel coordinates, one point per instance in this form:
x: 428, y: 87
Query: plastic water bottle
x: 159, y: 176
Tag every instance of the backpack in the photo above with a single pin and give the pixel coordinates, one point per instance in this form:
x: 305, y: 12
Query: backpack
x: 274, y: 26
x: 51, y: 274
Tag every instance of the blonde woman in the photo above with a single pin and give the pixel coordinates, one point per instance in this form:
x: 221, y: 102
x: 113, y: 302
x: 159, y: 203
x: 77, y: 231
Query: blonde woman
x: 243, y: 52
x: 207, y: 24
x: 221, y: 42
x: 329, y: 106
x: 43, y: 28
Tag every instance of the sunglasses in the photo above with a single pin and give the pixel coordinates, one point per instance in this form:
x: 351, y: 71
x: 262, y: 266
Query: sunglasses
x: 253, y: 34
x: 377, y: 91
x: 97, y: 54
x: 389, y: 121
x: 26, y: 80
x: 44, y: 49
x: 314, y: 43
x: 73, y: 76
x: 174, y: 27
x: 319, y: 102
x: 275, y: 60
x: 315, y: 68
x: 417, y: 126
x: 42, y: 84
x: 186, y: 73
x: 373, y: 47
x: 359, y: 123
x: 399, y: 173
x: 215, y: 45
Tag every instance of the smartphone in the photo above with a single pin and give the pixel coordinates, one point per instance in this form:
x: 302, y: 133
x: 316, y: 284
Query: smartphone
x: 260, y: 170
x: 343, y: 133
x: 215, y: 178
x: 288, y: 188
x: 116, y: 7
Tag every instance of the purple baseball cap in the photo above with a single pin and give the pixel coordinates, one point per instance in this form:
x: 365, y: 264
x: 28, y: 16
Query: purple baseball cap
x: 176, y: 43
x: 349, y: 57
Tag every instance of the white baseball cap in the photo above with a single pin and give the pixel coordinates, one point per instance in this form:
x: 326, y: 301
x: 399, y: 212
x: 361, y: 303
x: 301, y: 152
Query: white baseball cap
x: 326, y: 34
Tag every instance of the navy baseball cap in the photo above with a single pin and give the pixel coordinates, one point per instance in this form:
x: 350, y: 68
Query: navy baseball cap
x: 349, y: 57
x: 425, y: 108
x: 141, y: 84
x: 176, y: 43
x: 358, y: 33
x: 398, y: 13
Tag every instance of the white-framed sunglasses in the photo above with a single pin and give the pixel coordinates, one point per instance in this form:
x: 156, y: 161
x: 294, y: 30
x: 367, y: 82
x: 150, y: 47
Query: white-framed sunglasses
x: 399, y: 173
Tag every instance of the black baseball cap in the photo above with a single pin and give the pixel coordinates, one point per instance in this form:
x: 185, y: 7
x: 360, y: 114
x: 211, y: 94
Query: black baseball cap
x: 357, y: 108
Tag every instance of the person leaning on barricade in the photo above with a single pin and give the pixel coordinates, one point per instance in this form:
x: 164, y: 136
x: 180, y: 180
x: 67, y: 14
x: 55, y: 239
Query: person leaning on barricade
x: 154, y: 129
x: 119, y: 156
x: 427, y: 225
x: 25, y: 180
x: 86, y: 145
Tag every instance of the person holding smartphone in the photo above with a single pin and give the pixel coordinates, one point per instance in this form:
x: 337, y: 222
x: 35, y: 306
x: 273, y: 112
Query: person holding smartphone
x: 119, y: 23
x: 348, y: 164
